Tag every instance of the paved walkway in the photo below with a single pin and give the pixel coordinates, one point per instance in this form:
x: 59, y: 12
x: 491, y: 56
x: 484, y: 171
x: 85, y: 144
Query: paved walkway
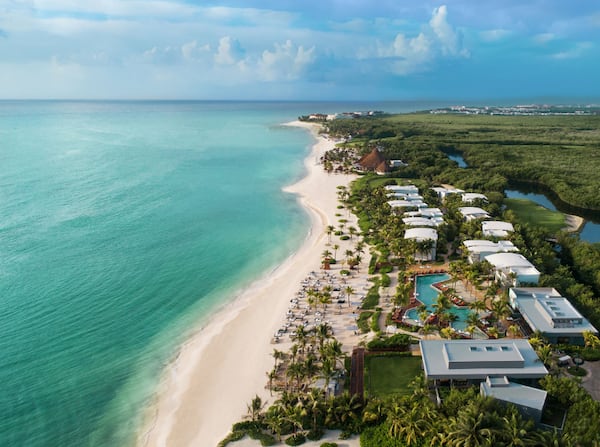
x: 591, y: 382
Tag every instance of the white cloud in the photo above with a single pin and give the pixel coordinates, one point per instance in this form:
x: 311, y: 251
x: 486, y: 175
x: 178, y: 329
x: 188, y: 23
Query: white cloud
x: 287, y: 61
x: 229, y: 52
x: 578, y: 50
x: 494, y: 35
x: 544, y: 38
x: 191, y: 51
x: 438, y: 39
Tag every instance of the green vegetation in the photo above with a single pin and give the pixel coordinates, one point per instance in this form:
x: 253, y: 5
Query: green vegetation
x: 372, y: 298
x: 363, y: 321
x: 397, y: 342
x: 557, y: 152
x: 390, y: 374
x: 533, y: 214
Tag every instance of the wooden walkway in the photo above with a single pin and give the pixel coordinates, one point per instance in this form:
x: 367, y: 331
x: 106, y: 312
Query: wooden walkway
x: 357, y: 369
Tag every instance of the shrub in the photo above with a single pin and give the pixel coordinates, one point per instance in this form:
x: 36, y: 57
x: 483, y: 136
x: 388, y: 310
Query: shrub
x: 345, y: 237
x: 386, y: 268
x: 372, y: 299
x: 296, y: 439
x: 590, y: 355
x: 315, y: 435
x: 232, y: 437
x: 329, y: 444
x: 363, y: 321
x: 400, y: 342
x: 344, y: 272
x: 338, y: 232
x: 385, y: 280
x: 577, y: 371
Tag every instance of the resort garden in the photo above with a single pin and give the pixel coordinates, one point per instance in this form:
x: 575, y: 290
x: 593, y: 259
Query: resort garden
x: 394, y: 405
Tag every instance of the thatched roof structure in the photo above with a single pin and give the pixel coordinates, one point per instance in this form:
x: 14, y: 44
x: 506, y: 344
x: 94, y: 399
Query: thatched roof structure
x: 374, y: 161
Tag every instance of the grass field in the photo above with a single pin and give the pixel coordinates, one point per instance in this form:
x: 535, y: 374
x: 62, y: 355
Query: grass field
x: 536, y: 215
x: 385, y: 375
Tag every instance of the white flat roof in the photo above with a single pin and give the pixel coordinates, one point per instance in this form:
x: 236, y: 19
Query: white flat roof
x: 419, y: 222
x: 402, y: 188
x: 421, y: 234
x: 515, y: 393
x: 493, y: 225
x: 549, y: 312
x: 478, y: 359
x: 406, y: 203
x: 472, y: 211
x: 470, y: 196
x: 509, y: 261
x: 478, y: 246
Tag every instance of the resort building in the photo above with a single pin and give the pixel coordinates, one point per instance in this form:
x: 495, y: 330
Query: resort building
x: 478, y: 249
x: 422, y: 235
x: 443, y: 192
x: 374, y: 161
x: 473, y: 213
x: 403, y: 189
x: 528, y: 400
x: 513, y: 269
x: 420, y: 222
x: 494, y: 228
x: 470, y: 197
x: 401, y: 203
x: 545, y: 310
x: 476, y: 360
x: 492, y: 364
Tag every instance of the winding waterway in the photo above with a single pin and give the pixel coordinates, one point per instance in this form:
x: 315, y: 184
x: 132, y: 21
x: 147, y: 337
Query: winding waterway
x: 591, y: 229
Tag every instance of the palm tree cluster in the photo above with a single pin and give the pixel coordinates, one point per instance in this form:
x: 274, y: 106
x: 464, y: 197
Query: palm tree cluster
x: 314, y: 355
x: 464, y: 419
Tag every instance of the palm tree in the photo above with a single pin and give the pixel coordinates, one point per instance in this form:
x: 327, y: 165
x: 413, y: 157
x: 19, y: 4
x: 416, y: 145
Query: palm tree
x: 323, y: 332
x: 330, y: 229
x: 351, y: 231
x: 472, y: 428
x: 275, y: 419
x: 335, y: 247
x: 349, y: 290
x: 277, y: 355
x: 514, y: 330
x: 295, y: 371
x: 255, y: 407
x: 271, y: 375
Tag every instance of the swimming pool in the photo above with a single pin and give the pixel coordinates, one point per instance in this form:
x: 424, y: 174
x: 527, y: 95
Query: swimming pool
x: 428, y: 296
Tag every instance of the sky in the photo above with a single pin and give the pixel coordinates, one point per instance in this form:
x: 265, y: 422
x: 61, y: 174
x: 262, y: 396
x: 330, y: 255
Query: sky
x: 299, y: 49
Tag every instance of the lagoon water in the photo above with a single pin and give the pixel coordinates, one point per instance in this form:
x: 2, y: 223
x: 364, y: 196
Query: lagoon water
x: 123, y: 226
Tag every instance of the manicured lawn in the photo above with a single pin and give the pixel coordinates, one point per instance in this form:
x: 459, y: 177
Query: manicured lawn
x: 536, y: 215
x: 385, y: 375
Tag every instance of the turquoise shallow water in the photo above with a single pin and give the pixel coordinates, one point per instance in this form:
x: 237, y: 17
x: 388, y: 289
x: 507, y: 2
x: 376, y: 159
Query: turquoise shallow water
x: 122, y: 225
x: 428, y: 296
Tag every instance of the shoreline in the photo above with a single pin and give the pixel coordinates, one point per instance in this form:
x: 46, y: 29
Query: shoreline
x: 223, y: 365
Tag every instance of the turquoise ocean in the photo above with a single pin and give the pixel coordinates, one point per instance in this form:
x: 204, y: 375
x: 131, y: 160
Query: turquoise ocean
x: 124, y: 226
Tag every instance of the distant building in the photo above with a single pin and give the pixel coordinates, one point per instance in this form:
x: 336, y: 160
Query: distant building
x: 473, y: 213
x: 470, y: 197
x: 402, y: 189
x: 494, y: 228
x: 374, y: 161
x: 513, y: 269
x: 443, y: 192
x: 419, y: 222
x: 545, y: 310
x: 422, y: 235
x: 478, y: 249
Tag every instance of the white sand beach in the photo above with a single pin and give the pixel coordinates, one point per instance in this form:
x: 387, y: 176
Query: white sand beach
x: 220, y: 369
